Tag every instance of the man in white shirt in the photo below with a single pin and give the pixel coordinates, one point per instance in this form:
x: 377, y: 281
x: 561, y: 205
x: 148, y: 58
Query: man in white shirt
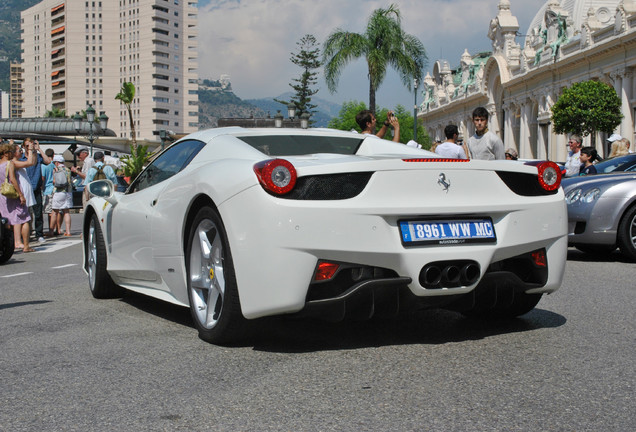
x: 87, y: 162
x: 450, y: 148
x: 573, y: 162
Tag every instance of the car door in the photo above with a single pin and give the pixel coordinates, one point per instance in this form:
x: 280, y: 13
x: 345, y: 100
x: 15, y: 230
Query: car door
x: 134, y: 214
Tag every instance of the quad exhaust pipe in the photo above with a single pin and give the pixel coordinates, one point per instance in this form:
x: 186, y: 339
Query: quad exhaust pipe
x: 449, y: 274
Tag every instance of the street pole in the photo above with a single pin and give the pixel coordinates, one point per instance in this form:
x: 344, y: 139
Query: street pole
x: 415, y: 111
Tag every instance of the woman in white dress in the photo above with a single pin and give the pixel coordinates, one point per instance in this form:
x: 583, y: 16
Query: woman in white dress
x: 23, y: 230
x: 62, y: 196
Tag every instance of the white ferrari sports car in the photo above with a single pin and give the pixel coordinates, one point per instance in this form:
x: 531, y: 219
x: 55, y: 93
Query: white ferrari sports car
x: 238, y: 224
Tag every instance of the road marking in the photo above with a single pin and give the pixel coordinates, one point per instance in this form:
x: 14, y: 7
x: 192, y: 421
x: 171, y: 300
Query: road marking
x: 17, y: 274
x: 64, y: 266
x: 55, y: 245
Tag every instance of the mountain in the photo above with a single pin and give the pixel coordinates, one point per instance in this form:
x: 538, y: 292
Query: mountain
x: 325, y: 110
x: 217, y: 100
x: 10, y: 49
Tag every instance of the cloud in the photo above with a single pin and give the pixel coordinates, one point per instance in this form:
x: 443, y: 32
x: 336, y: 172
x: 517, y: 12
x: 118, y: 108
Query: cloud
x: 252, y: 41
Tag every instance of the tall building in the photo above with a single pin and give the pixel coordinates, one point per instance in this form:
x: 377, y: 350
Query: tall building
x: 78, y: 52
x: 16, y: 96
x: 5, y: 109
x: 568, y: 41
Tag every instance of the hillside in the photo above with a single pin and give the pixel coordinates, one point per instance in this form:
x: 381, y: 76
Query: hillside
x: 9, y: 36
x: 216, y: 101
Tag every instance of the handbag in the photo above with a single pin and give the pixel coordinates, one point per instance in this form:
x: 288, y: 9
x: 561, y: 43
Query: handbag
x: 7, y: 189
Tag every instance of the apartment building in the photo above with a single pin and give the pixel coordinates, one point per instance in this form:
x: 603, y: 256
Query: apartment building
x: 78, y: 52
x: 16, y: 97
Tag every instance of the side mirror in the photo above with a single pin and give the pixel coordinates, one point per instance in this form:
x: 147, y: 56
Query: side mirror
x: 102, y: 188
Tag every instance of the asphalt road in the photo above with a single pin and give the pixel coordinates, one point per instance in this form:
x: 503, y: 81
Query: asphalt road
x: 69, y: 362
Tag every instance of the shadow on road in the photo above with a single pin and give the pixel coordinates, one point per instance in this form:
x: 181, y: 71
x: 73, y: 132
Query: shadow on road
x: 577, y: 255
x: 19, y: 304
x: 435, y: 326
x: 289, y: 335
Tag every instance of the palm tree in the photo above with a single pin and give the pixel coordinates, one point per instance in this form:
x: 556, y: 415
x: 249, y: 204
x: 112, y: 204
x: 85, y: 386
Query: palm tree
x: 383, y: 44
x: 55, y: 112
x: 126, y: 96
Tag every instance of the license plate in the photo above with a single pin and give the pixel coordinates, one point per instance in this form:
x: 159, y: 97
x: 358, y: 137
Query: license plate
x: 448, y: 231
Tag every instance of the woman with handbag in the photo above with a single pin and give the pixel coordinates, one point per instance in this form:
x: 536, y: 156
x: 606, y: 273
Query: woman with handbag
x: 12, y: 200
x: 21, y: 175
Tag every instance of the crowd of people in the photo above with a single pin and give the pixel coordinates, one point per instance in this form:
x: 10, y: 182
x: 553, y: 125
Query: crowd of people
x: 39, y: 183
x: 485, y: 145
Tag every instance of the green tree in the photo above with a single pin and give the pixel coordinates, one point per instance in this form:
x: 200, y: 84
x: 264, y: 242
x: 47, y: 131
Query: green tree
x: 587, y: 107
x: 134, y: 163
x: 308, y: 58
x: 346, y: 120
x: 405, y: 118
x: 126, y: 95
x: 55, y: 112
x: 383, y: 44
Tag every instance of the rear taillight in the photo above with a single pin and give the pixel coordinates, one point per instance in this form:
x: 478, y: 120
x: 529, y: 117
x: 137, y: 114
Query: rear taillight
x: 277, y: 176
x: 549, y: 175
x: 325, y: 271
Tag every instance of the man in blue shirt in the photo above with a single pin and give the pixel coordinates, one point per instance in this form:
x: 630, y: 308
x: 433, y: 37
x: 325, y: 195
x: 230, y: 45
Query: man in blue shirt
x: 34, y: 173
x: 47, y: 191
x: 99, y: 164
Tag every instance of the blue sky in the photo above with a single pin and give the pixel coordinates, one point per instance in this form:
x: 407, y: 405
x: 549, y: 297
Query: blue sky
x: 251, y: 41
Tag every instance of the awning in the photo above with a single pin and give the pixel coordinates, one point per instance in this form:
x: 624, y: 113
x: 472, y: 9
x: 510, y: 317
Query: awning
x: 55, y: 52
x: 57, y: 30
x: 58, y: 7
x: 54, y: 74
x: 55, y: 84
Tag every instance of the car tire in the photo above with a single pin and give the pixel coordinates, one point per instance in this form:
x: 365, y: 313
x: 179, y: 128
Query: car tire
x: 521, y: 305
x: 7, y: 247
x: 99, y: 281
x: 212, y: 288
x: 626, y: 237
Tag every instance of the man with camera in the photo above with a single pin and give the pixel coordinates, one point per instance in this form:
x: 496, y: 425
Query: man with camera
x: 366, y: 120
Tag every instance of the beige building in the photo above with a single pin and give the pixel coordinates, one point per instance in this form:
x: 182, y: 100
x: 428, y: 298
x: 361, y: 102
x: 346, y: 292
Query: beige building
x: 78, y: 52
x: 520, y: 79
x: 16, y: 98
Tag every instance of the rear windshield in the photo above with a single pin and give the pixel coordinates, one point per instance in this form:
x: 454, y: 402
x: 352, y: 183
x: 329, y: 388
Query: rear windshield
x: 294, y: 145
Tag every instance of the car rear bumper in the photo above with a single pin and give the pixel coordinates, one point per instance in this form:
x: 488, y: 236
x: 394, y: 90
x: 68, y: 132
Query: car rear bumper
x: 276, y: 245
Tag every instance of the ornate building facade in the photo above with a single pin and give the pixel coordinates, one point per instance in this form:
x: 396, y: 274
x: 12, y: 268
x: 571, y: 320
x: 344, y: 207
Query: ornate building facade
x: 568, y: 41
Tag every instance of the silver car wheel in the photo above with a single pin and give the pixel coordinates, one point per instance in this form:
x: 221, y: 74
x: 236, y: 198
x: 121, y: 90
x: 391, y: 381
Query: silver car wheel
x: 92, y: 254
x: 207, y: 277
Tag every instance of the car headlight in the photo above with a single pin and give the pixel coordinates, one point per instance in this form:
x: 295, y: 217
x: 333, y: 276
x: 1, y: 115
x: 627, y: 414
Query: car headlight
x: 591, y: 195
x: 573, y: 196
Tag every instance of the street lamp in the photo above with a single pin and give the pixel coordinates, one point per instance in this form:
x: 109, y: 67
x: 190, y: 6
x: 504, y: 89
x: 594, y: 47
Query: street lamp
x: 304, y: 120
x: 415, y: 110
x: 278, y: 120
x: 291, y: 111
x: 90, y: 118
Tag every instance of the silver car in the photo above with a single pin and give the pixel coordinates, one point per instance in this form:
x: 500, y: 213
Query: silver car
x: 602, y: 213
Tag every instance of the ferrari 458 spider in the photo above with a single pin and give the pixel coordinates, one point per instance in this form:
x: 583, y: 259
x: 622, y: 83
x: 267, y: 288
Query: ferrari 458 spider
x: 238, y: 224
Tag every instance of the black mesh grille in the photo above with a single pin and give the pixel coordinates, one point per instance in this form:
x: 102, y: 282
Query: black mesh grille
x: 524, y: 184
x: 329, y: 187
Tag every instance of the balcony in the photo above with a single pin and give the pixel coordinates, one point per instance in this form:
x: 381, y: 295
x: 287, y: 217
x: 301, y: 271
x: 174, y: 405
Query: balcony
x: 57, y: 54
x: 59, y: 9
x: 58, y: 85
x: 60, y: 95
x: 58, y: 63
x: 58, y: 32
x: 57, y: 42
x: 57, y: 21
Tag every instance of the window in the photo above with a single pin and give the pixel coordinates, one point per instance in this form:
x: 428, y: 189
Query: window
x: 167, y: 164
